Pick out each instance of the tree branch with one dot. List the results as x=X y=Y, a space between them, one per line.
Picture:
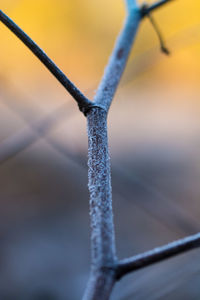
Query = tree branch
x=145 y=9
x=159 y=254
x=83 y=103
x=130 y=4
x=121 y=51
x=119 y=57
x=104 y=272
x=103 y=253
x=104 y=260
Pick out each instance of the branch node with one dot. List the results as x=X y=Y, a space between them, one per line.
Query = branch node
x=85 y=109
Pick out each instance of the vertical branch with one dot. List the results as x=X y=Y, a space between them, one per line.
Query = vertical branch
x=103 y=250
x=102 y=229
x=104 y=262
x=103 y=268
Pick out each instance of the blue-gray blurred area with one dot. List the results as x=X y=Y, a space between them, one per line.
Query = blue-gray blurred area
x=44 y=218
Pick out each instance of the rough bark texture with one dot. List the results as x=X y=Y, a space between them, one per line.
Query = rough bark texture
x=102 y=235
x=118 y=59
x=100 y=284
x=101 y=215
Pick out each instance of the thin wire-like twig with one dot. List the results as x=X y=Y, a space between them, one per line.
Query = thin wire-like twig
x=159 y=254
x=157 y=30
x=154 y=6
x=83 y=103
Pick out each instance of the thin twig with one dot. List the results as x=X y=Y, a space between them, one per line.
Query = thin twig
x=83 y=103
x=154 y=6
x=159 y=254
x=158 y=32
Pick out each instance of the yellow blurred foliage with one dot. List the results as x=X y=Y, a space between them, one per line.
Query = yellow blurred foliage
x=79 y=35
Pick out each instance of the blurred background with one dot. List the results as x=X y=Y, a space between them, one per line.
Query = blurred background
x=154 y=133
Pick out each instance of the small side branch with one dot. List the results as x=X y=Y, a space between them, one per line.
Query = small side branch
x=83 y=103
x=155 y=26
x=157 y=255
x=154 y=6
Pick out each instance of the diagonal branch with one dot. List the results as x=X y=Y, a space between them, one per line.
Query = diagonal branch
x=159 y=254
x=130 y=4
x=158 y=4
x=83 y=103
x=119 y=57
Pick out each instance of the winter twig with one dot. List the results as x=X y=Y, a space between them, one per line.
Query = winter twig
x=147 y=9
x=83 y=103
x=159 y=254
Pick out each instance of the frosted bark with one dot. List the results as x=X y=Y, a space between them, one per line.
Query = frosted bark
x=102 y=229
x=100 y=285
x=118 y=59
x=101 y=214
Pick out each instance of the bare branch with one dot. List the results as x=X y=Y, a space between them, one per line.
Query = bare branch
x=102 y=228
x=159 y=254
x=160 y=37
x=83 y=103
x=102 y=235
x=121 y=51
x=130 y=4
x=118 y=58
x=146 y=10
